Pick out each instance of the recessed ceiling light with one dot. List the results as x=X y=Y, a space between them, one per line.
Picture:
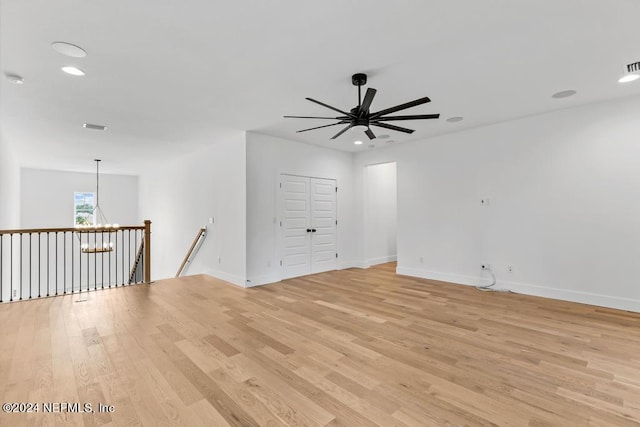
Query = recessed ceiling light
x=563 y=94
x=455 y=119
x=357 y=142
x=94 y=127
x=69 y=49
x=73 y=71
x=15 y=79
x=629 y=78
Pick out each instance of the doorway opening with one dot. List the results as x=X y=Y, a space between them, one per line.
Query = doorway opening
x=380 y=214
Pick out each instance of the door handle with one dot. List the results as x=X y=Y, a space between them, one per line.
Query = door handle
x=308 y=230
x=313 y=230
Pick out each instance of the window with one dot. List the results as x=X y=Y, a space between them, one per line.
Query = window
x=83 y=207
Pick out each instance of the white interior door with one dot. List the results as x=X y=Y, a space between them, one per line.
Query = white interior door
x=308 y=229
x=295 y=221
x=323 y=225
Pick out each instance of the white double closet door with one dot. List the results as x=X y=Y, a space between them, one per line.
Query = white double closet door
x=308 y=225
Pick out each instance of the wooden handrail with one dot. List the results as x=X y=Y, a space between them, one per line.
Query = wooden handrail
x=200 y=233
x=73 y=229
x=147 y=251
x=136 y=263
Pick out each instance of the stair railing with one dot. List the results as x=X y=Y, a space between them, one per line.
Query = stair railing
x=43 y=262
x=197 y=242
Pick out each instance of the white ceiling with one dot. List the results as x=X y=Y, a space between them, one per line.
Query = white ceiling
x=168 y=77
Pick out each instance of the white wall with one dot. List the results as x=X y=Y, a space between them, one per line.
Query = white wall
x=267 y=157
x=9 y=211
x=9 y=188
x=564 y=210
x=47 y=197
x=380 y=213
x=180 y=196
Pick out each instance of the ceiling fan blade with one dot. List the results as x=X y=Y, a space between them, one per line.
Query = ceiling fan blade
x=400 y=107
x=392 y=127
x=342 y=131
x=308 y=117
x=366 y=102
x=330 y=107
x=416 y=117
x=320 y=127
x=370 y=134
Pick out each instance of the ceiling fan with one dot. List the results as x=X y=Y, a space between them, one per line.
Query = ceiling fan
x=361 y=117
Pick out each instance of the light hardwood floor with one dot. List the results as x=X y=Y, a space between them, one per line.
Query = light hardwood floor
x=346 y=348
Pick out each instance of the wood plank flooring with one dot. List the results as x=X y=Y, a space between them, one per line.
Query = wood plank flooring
x=345 y=348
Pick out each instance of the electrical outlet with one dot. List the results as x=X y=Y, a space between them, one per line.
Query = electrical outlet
x=211 y=220
x=421 y=260
x=510 y=268
x=219 y=260
x=485 y=201
x=15 y=293
x=486 y=266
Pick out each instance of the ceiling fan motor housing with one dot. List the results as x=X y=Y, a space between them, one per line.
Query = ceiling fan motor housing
x=359 y=120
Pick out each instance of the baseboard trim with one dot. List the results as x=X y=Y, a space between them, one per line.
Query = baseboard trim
x=382 y=260
x=266 y=279
x=352 y=264
x=528 y=289
x=227 y=277
x=458 y=279
x=368 y=263
x=574 y=296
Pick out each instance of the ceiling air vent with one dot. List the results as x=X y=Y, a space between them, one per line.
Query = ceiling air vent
x=633 y=67
x=94 y=127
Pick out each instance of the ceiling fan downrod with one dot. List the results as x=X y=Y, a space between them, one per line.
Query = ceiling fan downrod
x=359 y=79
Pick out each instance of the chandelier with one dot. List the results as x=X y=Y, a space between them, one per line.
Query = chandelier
x=100 y=225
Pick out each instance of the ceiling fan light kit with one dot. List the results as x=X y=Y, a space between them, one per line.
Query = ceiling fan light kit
x=361 y=116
